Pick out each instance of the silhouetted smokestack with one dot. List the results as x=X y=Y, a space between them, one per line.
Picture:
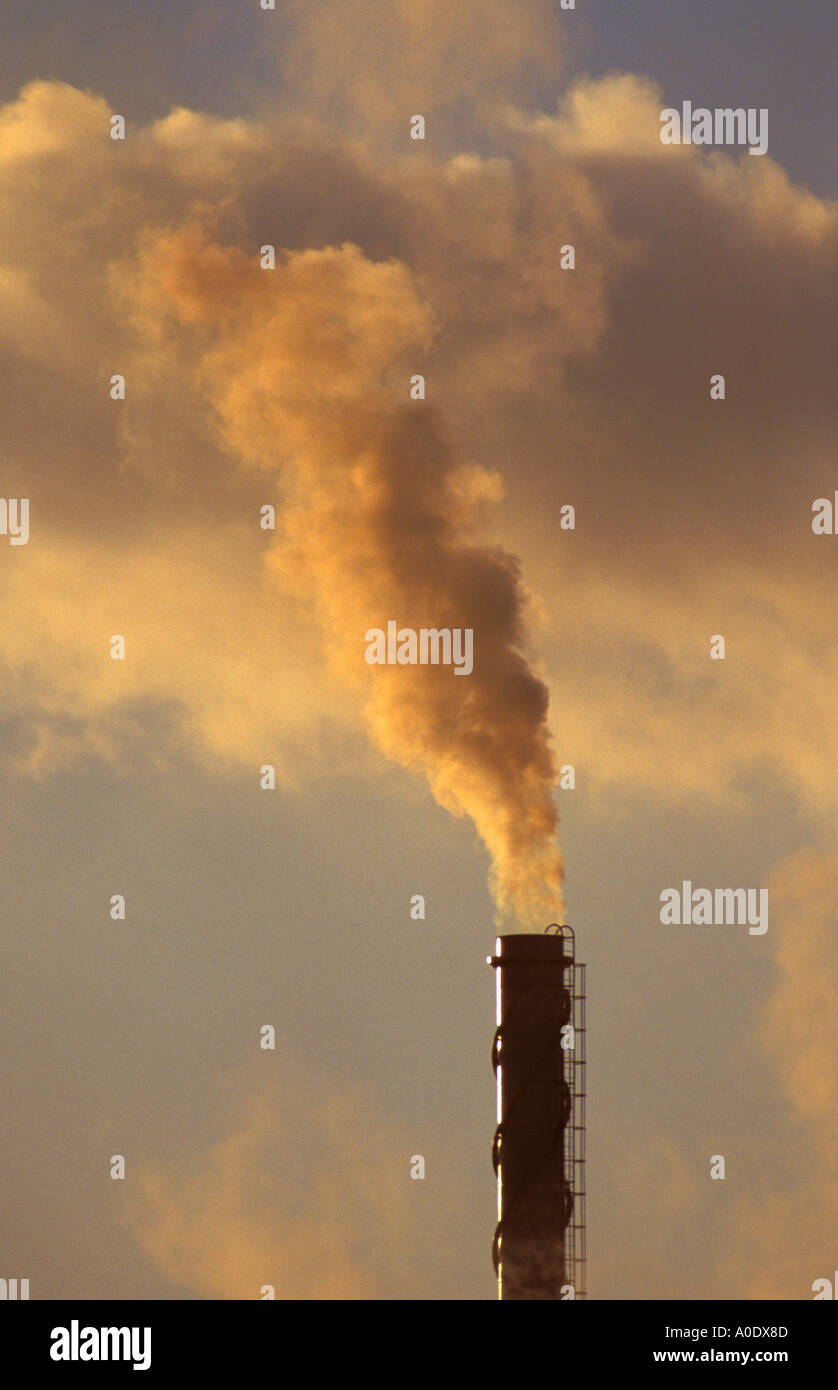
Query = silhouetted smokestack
x=538 y=1055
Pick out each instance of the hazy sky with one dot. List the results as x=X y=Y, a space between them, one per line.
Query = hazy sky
x=244 y=647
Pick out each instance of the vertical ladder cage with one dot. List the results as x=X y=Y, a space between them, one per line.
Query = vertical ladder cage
x=576 y=1256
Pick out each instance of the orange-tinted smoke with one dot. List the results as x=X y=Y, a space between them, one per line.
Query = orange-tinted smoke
x=308 y=367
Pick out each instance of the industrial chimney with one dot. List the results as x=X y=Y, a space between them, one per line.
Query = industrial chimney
x=538 y=1151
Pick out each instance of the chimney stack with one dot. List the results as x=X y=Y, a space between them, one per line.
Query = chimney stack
x=538 y=1151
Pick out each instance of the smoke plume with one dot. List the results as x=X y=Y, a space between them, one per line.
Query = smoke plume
x=308 y=368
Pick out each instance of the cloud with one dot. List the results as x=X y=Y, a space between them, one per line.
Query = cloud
x=799 y=1028
x=780 y=1236
x=381 y=61
x=306 y=1189
x=69 y=700
x=547 y=386
x=615 y=115
x=766 y=1230
x=653 y=1190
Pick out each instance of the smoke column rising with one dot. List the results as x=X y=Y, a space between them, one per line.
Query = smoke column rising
x=308 y=368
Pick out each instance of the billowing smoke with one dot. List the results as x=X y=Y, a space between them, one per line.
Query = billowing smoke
x=308 y=367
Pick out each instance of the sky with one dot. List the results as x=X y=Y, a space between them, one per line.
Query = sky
x=248 y=387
